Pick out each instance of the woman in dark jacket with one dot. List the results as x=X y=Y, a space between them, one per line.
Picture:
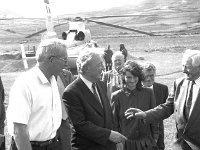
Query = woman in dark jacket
x=141 y=136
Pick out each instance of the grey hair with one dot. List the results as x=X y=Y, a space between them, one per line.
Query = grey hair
x=194 y=55
x=118 y=53
x=48 y=48
x=149 y=67
x=85 y=58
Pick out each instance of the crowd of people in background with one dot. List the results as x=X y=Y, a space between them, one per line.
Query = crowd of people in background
x=113 y=104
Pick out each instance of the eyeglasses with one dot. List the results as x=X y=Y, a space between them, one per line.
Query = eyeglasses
x=65 y=59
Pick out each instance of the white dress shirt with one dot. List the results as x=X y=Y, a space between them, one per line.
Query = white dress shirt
x=35 y=102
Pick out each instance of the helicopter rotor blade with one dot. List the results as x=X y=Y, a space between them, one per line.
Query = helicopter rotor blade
x=43 y=30
x=120 y=27
x=118 y=16
x=36 y=33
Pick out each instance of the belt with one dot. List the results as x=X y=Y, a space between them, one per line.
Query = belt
x=45 y=143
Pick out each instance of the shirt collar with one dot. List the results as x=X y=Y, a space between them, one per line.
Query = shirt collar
x=128 y=92
x=41 y=75
x=197 y=81
x=87 y=82
x=151 y=87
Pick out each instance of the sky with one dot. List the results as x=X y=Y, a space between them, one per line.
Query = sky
x=36 y=8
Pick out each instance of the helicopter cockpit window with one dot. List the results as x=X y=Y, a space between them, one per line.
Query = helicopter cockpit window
x=80 y=36
x=64 y=35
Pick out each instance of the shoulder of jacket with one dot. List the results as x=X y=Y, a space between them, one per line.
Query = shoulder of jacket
x=160 y=85
x=179 y=81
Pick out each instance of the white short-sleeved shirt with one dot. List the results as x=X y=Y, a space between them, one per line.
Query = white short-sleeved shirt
x=35 y=101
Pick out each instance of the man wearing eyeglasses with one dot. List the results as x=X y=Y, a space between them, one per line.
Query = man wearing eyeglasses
x=34 y=112
x=161 y=94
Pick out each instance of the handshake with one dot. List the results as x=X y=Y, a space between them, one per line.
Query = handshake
x=134 y=112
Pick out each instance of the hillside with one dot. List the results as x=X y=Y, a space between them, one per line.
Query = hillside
x=172 y=17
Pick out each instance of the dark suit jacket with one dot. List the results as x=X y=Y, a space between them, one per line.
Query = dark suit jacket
x=161 y=94
x=186 y=130
x=92 y=123
x=2 y=108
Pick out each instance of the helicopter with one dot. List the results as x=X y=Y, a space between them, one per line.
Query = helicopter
x=77 y=37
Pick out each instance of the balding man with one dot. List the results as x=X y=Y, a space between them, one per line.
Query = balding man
x=88 y=106
x=184 y=102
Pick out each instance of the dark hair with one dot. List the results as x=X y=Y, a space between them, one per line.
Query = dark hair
x=136 y=70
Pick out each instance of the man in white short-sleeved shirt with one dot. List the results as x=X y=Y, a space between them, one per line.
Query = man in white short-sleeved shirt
x=34 y=112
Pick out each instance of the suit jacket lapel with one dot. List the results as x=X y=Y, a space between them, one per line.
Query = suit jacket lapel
x=90 y=98
x=106 y=105
x=195 y=110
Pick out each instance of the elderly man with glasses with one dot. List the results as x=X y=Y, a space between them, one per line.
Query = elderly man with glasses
x=34 y=112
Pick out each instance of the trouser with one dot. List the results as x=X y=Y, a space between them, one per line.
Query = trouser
x=2 y=142
x=2 y=138
x=160 y=142
x=65 y=135
x=108 y=66
x=53 y=146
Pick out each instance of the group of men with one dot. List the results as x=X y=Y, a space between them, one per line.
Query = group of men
x=108 y=56
x=37 y=107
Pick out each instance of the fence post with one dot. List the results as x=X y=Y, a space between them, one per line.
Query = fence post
x=24 y=56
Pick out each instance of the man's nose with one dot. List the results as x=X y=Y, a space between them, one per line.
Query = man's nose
x=184 y=69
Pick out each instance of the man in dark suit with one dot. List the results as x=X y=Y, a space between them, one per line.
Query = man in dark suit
x=89 y=108
x=184 y=102
x=161 y=94
x=2 y=115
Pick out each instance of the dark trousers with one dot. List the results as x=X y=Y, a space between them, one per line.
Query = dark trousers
x=65 y=135
x=2 y=142
x=108 y=66
x=54 y=146
x=160 y=142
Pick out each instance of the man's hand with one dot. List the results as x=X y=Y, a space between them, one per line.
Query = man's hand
x=116 y=137
x=120 y=146
x=134 y=112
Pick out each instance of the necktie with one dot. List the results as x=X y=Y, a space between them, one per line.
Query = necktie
x=189 y=101
x=95 y=92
